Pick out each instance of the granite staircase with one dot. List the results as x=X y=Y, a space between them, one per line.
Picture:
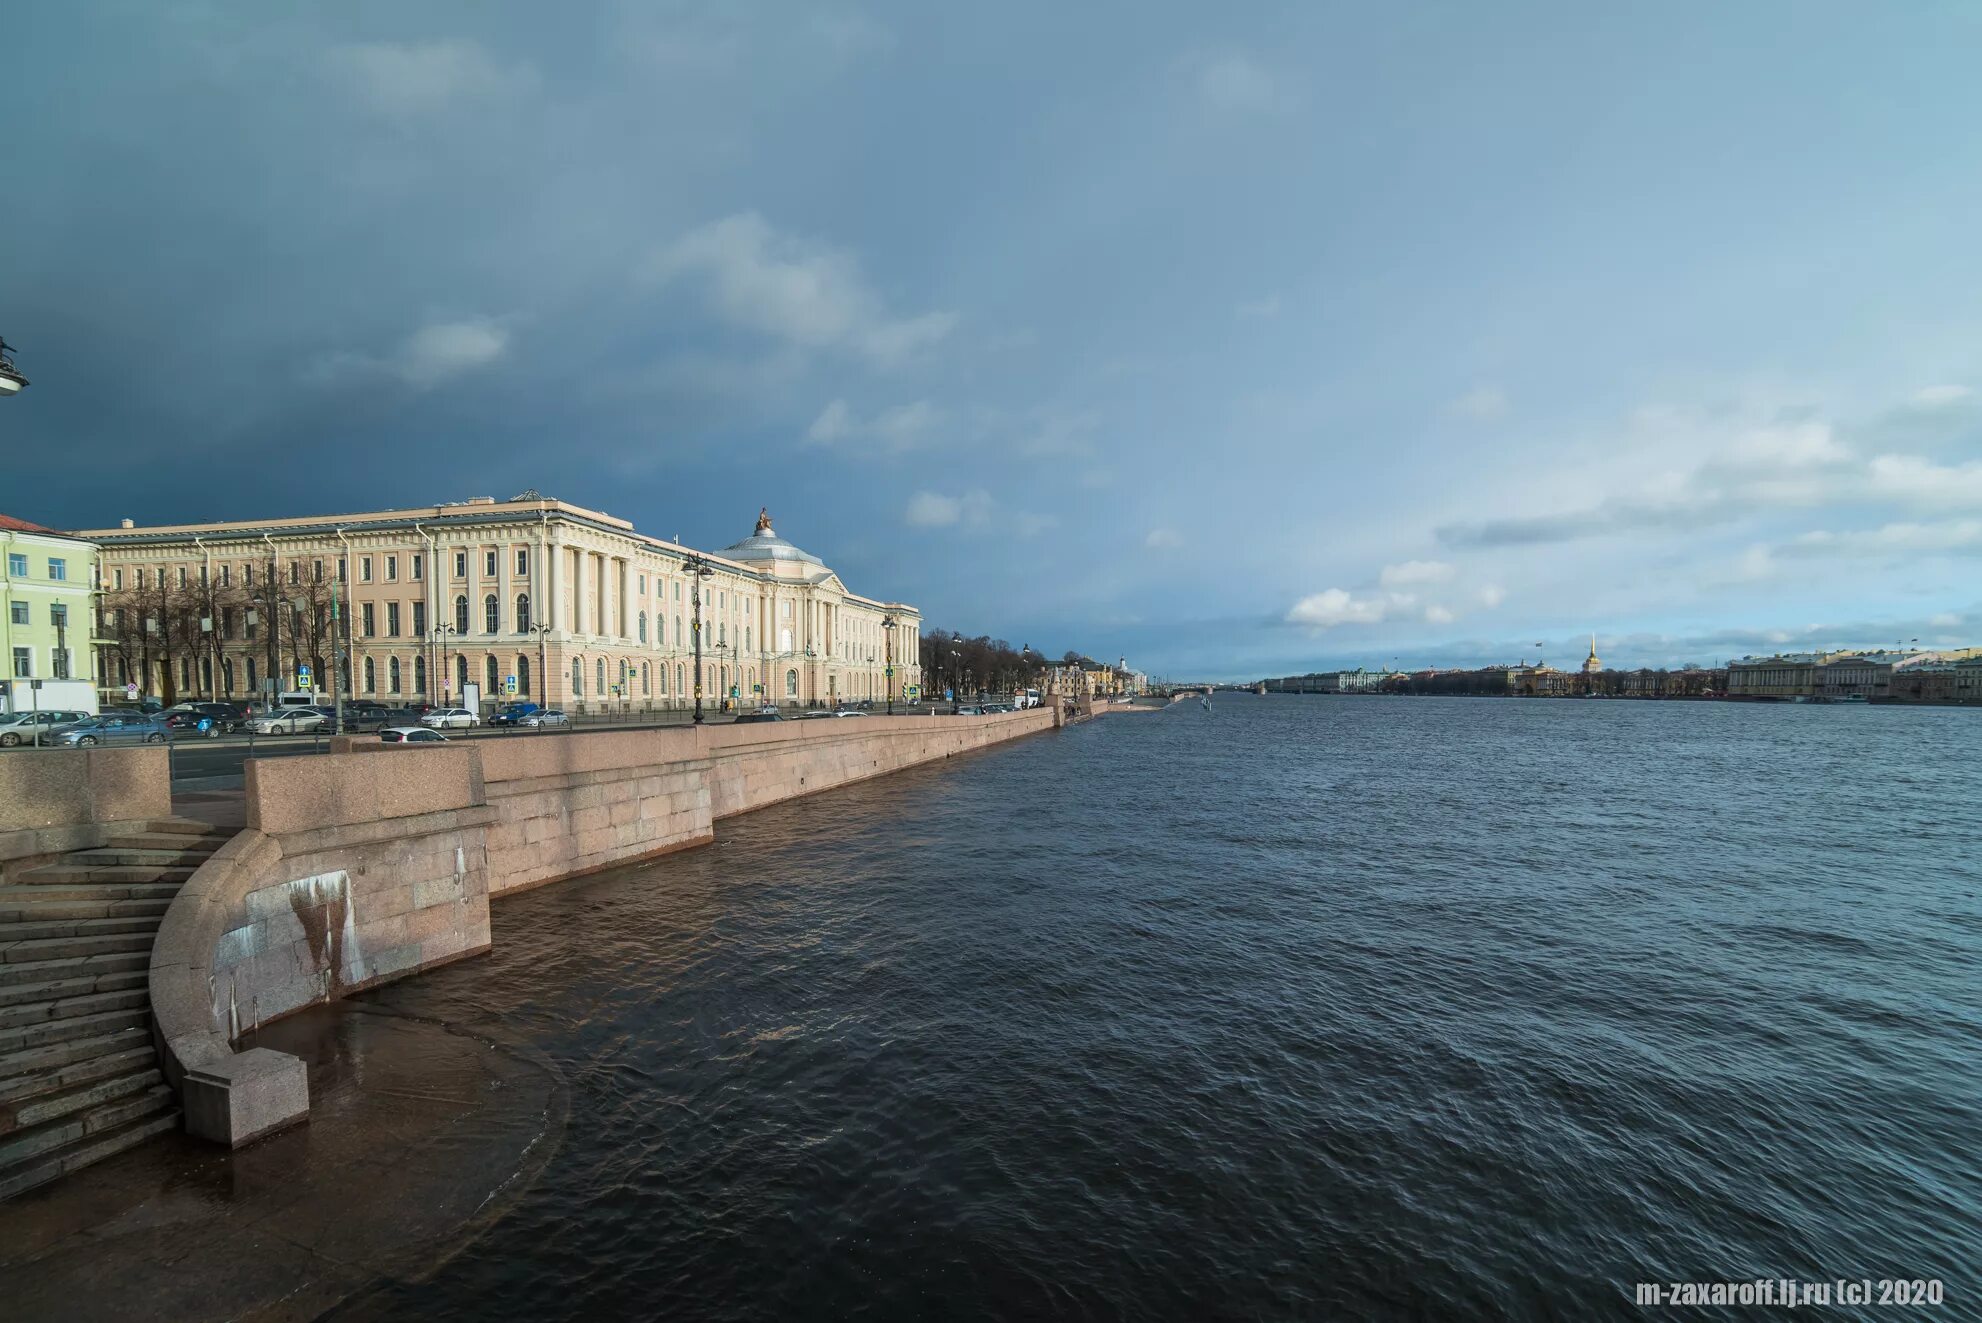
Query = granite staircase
x=79 y=1078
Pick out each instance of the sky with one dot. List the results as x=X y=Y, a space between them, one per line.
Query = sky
x=1233 y=340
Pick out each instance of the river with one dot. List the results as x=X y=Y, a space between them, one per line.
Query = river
x=1297 y=1008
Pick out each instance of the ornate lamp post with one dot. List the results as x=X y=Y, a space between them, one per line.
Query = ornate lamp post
x=698 y=569
x=543 y=667
x=442 y=633
x=11 y=380
x=888 y=624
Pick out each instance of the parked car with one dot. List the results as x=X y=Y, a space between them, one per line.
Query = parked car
x=193 y=722
x=997 y=707
x=365 y=715
x=548 y=716
x=450 y=718
x=411 y=735
x=20 y=727
x=848 y=712
x=970 y=710
x=513 y=714
x=140 y=728
x=761 y=714
x=402 y=717
x=294 y=721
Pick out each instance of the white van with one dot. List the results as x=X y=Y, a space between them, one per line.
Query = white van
x=297 y=698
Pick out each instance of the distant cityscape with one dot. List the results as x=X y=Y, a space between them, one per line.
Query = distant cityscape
x=1878 y=675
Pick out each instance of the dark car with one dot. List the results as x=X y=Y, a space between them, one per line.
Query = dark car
x=191 y=721
x=365 y=715
x=764 y=714
x=403 y=716
x=512 y=714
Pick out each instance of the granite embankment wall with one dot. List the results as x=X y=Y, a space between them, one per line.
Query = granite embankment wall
x=56 y=800
x=360 y=867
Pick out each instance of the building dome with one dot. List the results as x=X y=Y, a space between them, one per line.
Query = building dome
x=765 y=546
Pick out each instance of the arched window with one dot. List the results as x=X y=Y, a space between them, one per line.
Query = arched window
x=495 y=683
x=522 y=613
x=461 y=614
x=791 y=684
x=681 y=680
x=577 y=677
x=491 y=615
x=643 y=626
x=522 y=675
x=371 y=676
x=646 y=681
x=419 y=675
x=601 y=669
x=392 y=675
x=622 y=673
x=227 y=673
x=721 y=638
x=460 y=676
x=251 y=675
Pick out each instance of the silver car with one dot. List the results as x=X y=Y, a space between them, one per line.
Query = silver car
x=549 y=716
x=133 y=729
x=292 y=721
x=20 y=727
x=411 y=735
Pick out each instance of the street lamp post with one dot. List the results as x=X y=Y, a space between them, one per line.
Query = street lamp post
x=543 y=667
x=698 y=570
x=11 y=380
x=888 y=673
x=442 y=633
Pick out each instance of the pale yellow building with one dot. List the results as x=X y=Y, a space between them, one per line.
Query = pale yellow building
x=482 y=592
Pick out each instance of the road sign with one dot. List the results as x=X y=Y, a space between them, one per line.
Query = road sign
x=888 y=671
x=734 y=692
x=912 y=692
x=130 y=691
x=509 y=685
x=302 y=677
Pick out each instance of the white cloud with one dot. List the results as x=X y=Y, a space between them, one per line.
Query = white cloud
x=1334 y=606
x=1438 y=615
x=1482 y=405
x=1910 y=480
x=1940 y=397
x=899 y=428
x=795 y=290
x=442 y=350
x=1260 y=308
x=934 y=510
x=1956 y=536
x=834 y=423
x=1233 y=82
x=412 y=78
x=1414 y=573
x=1163 y=539
x=1944 y=620
x=1491 y=595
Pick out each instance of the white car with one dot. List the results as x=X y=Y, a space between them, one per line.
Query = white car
x=547 y=717
x=293 y=721
x=450 y=718
x=411 y=735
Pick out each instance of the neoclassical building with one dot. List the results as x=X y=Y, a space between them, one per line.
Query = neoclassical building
x=579 y=608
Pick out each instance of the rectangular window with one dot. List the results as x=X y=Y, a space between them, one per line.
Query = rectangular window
x=295 y=571
x=142 y=576
x=364 y=569
x=18 y=612
x=392 y=569
x=460 y=564
x=677 y=590
x=23 y=663
x=17 y=565
x=413 y=568
x=392 y=620
x=488 y=565
x=58 y=569
x=370 y=621
x=226 y=572
x=117 y=579
x=247 y=572
x=522 y=562
x=202 y=576
x=420 y=618
x=182 y=576
x=319 y=572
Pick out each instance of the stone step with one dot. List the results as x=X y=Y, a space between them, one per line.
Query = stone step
x=14 y=895
x=36 y=1061
x=29 y=970
x=184 y=827
x=78 y=985
x=166 y=840
x=117 y=856
x=58 y=907
x=24 y=1037
x=46 y=1107
x=68 y=1008
x=35 y=928
x=146 y=1116
x=69 y=948
x=67 y=874
x=108 y=1065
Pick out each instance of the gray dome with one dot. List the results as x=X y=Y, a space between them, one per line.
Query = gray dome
x=765 y=545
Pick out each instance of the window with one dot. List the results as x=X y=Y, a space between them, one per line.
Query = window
x=677 y=631
x=58 y=570
x=226 y=575
x=23 y=662
x=316 y=571
x=392 y=620
x=392 y=676
x=419 y=675
x=18 y=612
x=491 y=615
x=522 y=675
x=247 y=573
x=413 y=567
x=601 y=671
x=182 y=573
x=117 y=578
x=746 y=638
x=460 y=564
x=646 y=681
x=577 y=677
x=461 y=614
x=677 y=590
x=17 y=565
x=664 y=682
x=392 y=569
x=420 y=618
x=371 y=676
x=681 y=680
x=460 y=675
x=364 y=569
x=295 y=571
x=643 y=585
x=660 y=629
x=488 y=565
x=791 y=684
x=522 y=561
x=643 y=626
x=370 y=619
x=522 y=613
x=722 y=637
x=622 y=673
x=490 y=670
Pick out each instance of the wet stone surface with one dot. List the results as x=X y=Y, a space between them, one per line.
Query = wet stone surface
x=419 y=1137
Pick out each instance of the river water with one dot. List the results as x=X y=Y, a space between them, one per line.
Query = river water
x=1299 y=1008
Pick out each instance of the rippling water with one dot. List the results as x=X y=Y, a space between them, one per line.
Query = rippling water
x=1300 y=1008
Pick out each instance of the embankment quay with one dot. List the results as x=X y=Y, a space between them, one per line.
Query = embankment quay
x=139 y=945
